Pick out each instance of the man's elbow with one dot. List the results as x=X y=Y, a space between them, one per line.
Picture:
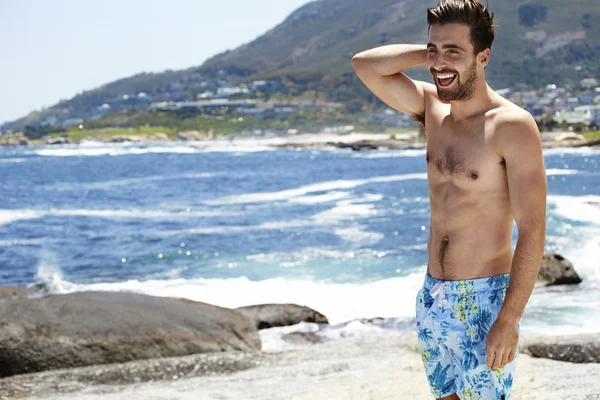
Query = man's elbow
x=532 y=228
x=358 y=60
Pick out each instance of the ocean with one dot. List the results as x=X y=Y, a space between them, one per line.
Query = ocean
x=235 y=224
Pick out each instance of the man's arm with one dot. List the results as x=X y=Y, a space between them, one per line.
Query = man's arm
x=381 y=68
x=521 y=149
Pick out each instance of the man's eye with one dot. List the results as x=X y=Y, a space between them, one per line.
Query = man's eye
x=431 y=50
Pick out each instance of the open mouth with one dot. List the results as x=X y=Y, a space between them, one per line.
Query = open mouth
x=445 y=79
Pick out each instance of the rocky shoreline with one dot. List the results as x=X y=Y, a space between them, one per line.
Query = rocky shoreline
x=99 y=344
x=358 y=142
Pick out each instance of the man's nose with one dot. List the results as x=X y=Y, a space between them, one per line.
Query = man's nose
x=438 y=63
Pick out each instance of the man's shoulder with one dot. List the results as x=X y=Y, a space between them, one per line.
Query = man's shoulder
x=515 y=127
x=509 y=119
x=508 y=114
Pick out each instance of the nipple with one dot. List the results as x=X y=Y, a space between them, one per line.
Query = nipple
x=474 y=175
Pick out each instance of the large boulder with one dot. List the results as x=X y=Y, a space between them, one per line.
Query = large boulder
x=270 y=315
x=123 y=138
x=360 y=145
x=557 y=270
x=575 y=348
x=14 y=141
x=569 y=136
x=57 y=140
x=191 y=135
x=159 y=137
x=79 y=329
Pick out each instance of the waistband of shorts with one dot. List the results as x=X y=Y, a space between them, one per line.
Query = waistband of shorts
x=469 y=285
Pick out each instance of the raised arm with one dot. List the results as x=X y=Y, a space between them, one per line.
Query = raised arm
x=521 y=149
x=381 y=68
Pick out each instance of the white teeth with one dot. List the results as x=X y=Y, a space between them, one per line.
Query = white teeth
x=445 y=76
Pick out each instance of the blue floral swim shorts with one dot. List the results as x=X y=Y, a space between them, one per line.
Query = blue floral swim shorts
x=453 y=319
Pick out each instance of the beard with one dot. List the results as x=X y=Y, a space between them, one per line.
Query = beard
x=460 y=91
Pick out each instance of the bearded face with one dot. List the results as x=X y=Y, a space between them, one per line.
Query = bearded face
x=454 y=86
x=452 y=61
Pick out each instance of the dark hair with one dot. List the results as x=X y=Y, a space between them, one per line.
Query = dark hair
x=469 y=12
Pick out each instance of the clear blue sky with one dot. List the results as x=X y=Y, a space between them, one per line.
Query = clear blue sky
x=54 y=49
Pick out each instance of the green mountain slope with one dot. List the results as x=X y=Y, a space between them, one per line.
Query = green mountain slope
x=538 y=42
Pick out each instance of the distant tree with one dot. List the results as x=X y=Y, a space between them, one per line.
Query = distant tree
x=354 y=106
x=578 y=127
x=586 y=21
x=37 y=132
x=547 y=124
x=530 y=14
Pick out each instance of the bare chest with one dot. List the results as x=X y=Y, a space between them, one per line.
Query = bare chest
x=463 y=158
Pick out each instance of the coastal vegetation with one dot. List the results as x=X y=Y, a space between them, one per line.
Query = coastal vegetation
x=169 y=123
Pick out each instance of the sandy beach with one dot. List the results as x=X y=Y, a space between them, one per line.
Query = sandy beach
x=370 y=367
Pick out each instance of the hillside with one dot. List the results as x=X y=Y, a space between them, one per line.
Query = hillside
x=536 y=43
x=541 y=42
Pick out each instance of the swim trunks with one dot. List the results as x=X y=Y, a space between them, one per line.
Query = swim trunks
x=453 y=319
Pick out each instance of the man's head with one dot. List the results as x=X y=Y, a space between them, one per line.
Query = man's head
x=461 y=33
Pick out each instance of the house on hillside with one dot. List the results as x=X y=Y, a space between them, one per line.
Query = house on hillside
x=230 y=91
x=586 y=97
x=266 y=86
x=592 y=112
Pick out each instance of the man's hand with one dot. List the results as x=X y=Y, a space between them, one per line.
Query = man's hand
x=502 y=340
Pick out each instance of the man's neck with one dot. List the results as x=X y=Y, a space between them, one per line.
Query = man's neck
x=476 y=105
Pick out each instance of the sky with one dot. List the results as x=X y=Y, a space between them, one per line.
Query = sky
x=53 y=49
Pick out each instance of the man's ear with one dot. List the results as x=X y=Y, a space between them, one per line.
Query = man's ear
x=484 y=57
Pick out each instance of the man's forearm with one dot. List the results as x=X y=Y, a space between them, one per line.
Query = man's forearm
x=392 y=58
x=524 y=272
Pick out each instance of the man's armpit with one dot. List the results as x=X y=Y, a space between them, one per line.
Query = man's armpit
x=420 y=119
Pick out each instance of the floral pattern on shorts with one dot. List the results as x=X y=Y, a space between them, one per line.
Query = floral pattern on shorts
x=453 y=319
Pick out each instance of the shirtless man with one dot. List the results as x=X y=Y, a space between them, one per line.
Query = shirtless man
x=484 y=168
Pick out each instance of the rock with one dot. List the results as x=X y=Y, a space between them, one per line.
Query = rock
x=122 y=139
x=57 y=140
x=568 y=136
x=304 y=338
x=298 y=145
x=191 y=135
x=270 y=315
x=593 y=142
x=160 y=137
x=575 y=348
x=80 y=329
x=557 y=270
x=156 y=137
x=357 y=146
x=391 y=144
x=14 y=141
x=70 y=380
